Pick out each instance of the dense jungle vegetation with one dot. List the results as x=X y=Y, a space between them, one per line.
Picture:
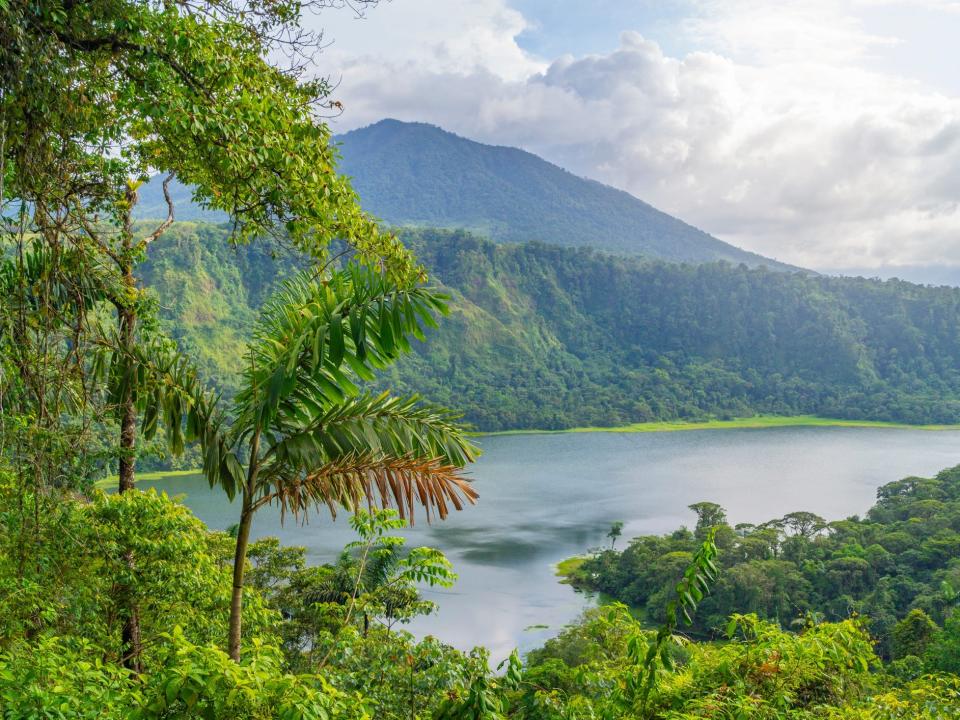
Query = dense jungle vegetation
x=327 y=642
x=124 y=605
x=898 y=567
x=548 y=337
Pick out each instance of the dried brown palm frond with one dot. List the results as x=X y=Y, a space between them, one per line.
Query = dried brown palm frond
x=400 y=482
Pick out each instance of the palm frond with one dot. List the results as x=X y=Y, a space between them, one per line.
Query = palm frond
x=374 y=424
x=354 y=480
x=168 y=386
x=317 y=334
x=68 y=278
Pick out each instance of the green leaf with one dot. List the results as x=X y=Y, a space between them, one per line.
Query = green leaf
x=336 y=340
x=731 y=628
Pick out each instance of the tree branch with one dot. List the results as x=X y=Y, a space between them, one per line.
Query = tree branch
x=162 y=227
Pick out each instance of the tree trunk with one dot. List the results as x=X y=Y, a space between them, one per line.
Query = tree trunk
x=240 y=554
x=128 y=413
x=127 y=319
x=131 y=633
x=239 y=563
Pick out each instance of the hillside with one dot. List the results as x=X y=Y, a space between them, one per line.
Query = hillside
x=548 y=337
x=413 y=174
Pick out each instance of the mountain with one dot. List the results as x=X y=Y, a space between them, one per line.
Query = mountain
x=543 y=336
x=413 y=174
x=420 y=175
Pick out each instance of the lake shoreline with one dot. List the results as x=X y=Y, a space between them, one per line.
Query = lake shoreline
x=547 y=498
x=758 y=422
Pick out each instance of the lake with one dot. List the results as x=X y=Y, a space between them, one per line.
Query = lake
x=546 y=497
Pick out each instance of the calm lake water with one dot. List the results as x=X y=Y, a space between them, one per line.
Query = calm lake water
x=546 y=497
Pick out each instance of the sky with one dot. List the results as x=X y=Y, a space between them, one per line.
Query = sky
x=824 y=134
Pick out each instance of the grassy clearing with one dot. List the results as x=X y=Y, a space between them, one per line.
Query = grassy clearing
x=756 y=422
x=110 y=482
x=566 y=568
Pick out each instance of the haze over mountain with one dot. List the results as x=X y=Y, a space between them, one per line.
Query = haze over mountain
x=414 y=174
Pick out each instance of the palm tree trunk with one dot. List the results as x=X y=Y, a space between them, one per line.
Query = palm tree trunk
x=239 y=563
x=240 y=554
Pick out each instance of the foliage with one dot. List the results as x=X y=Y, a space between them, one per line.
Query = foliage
x=693 y=587
x=65 y=679
x=66 y=580
x=311 y=437
x=311 y=654
x=59 y=647
x=60 y=620
x=943 y=653
x=341 y=618
x=761 y=672
x=204 y=682
x=93 y=97
x=899 y=561
x=56 y=677
x=375 y=582
x=934 y=697
x=913 y=634
x=615 y=531
x=99 y=93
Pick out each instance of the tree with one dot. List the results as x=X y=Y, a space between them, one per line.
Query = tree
x=804 y=524
x=913 y=634
x=943 y=653
x=96 y=95
x=615 y=531
x=309 y=435
x=709 y=515
x=375 y=579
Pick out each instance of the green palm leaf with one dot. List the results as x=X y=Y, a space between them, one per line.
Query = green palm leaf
x=316 y=336
x=396 y=449
x=374 y=424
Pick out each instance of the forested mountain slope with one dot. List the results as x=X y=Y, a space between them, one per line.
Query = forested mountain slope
x=543 y=336
x=420 y=175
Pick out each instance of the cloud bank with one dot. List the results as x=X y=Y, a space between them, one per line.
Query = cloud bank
x=778 y=131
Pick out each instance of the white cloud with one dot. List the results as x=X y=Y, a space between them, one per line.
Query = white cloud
x=436 y=35
x=764 y=33
x=778 y=136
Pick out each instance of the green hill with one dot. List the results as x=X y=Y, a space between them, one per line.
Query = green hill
x=543 y=336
